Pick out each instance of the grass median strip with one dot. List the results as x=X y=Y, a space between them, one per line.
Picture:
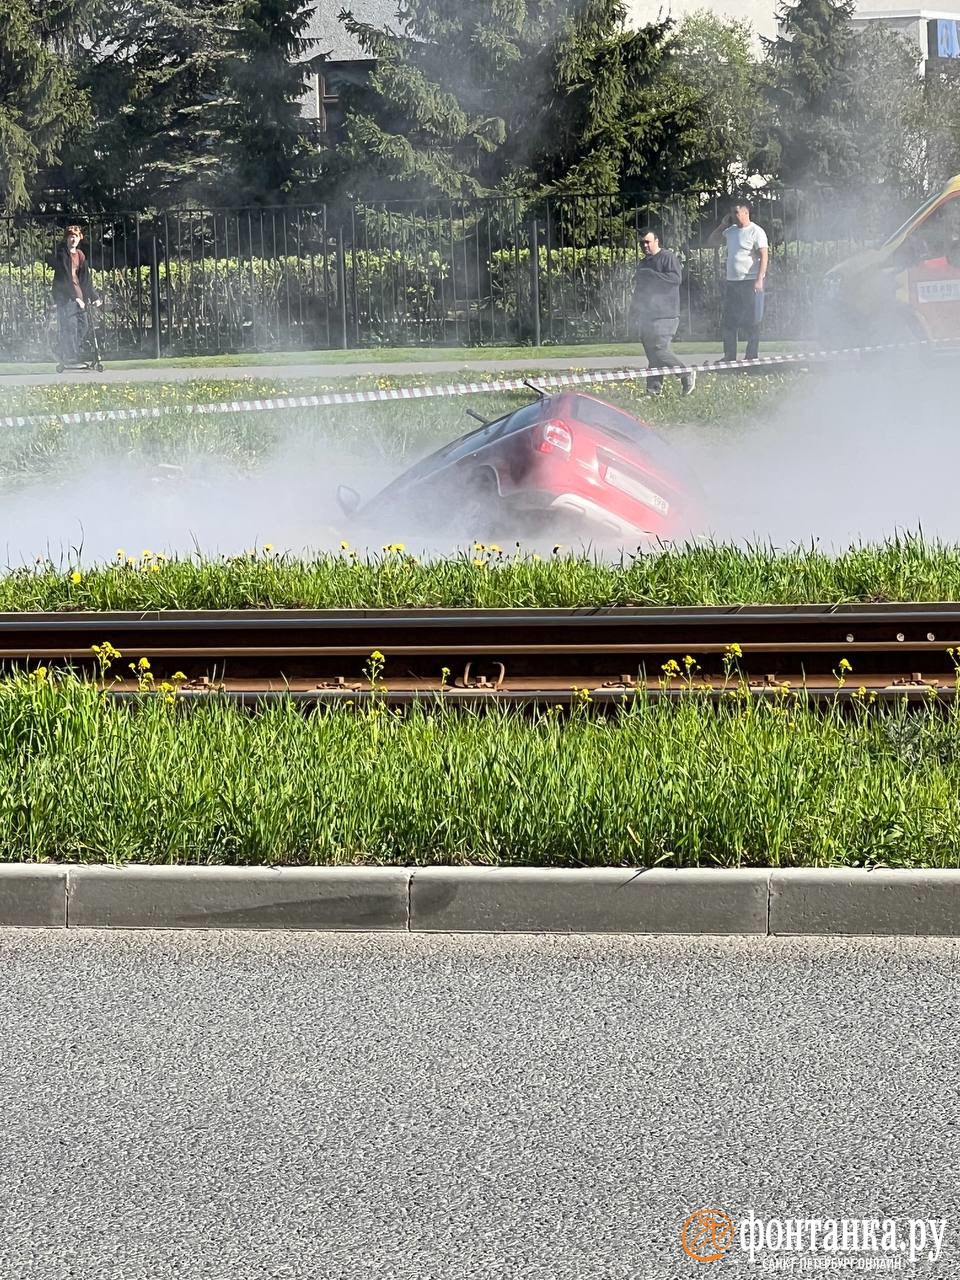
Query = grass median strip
x=397 y=431
x=905 y=568
x=749 y=784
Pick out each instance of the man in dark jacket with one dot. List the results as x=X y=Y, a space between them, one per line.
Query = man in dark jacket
x=73 y=293
x=656 y=310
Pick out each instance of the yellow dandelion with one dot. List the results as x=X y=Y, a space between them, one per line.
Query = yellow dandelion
x=76 y=577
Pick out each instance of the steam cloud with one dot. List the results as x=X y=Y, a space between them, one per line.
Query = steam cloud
x=849 y=454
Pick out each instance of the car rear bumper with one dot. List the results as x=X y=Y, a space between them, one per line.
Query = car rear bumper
x=587 y=512
x=599 y=517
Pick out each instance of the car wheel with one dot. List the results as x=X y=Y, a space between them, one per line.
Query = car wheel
x=481 y=509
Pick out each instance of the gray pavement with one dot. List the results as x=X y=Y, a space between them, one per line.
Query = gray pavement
x=457 y=370
x=458 y=1107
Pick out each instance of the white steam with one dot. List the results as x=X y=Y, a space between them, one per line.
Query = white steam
x=847 y=455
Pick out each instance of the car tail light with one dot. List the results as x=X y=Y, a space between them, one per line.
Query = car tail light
x=555 y=437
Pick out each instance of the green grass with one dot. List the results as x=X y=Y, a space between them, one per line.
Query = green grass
x=902 y=569
x=387 y=355
x=397 y=431
x=752 y=783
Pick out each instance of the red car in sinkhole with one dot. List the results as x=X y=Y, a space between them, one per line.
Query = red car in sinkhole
x=568 y=462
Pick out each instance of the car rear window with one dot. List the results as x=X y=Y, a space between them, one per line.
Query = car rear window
x=596 y=414
x=524 y=417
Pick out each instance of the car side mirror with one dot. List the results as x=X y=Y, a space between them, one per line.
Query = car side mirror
x=348 y=499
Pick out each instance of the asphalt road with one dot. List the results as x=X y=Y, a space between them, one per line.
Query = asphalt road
x=291 y=1105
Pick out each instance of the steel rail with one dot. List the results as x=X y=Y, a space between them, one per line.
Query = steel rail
x=532 y=653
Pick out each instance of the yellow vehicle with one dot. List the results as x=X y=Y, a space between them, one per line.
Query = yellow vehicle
x=908 y=287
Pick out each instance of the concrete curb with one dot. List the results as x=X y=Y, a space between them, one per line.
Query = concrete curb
x=598 y=900
x=764 y=902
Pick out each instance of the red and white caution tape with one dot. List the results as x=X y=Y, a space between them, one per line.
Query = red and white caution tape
x=591 y=377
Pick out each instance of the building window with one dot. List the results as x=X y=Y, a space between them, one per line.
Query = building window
x=943 y=38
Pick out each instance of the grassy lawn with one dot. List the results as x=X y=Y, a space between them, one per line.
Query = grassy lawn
x=753 y=783
x=394 y=431
x=488 y=577
x=408 y=355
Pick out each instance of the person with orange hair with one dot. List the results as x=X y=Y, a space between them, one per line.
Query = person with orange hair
x=73 y=293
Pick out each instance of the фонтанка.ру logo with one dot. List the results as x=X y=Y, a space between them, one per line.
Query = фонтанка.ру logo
x=707 y=1234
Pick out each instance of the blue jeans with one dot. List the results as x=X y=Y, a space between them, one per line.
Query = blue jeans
x=742 y=312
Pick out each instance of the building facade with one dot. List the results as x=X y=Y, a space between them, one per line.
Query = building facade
x=934 y=31
x=346 y=61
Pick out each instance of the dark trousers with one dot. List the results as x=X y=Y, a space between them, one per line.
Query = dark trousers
x=656 y=336
x=742 y=313
x=72 y=328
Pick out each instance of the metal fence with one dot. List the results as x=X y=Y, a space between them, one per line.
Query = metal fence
x=202 y=282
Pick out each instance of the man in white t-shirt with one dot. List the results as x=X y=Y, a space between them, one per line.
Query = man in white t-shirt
x=747 y=255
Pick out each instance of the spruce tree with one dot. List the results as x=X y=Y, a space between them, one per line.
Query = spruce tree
x=154 y=74
x=270 y=150
x=810 y=91
x=39 y=100
x=477 y=96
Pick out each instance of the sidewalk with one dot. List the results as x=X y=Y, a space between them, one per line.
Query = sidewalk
x=322 y=372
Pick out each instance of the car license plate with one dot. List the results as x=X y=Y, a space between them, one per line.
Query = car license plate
x=938 y=291
x=627 y=484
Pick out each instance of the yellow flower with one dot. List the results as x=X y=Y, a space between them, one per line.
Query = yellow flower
x=178 y=676
x=147 y=555
x=268 y=547
x=844 y=665
x=154 y=568
x=344 y=546
x=479 y=562
x=733 y=651
x=76 y=577
x=377 y=656
x=144 y=664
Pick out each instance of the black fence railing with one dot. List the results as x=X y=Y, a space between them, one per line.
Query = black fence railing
x=199 y=282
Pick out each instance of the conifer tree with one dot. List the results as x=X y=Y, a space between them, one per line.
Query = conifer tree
x=39 y=100
x=154 y=72
x=810 y=91
x=270 y=151
x=475 y=96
